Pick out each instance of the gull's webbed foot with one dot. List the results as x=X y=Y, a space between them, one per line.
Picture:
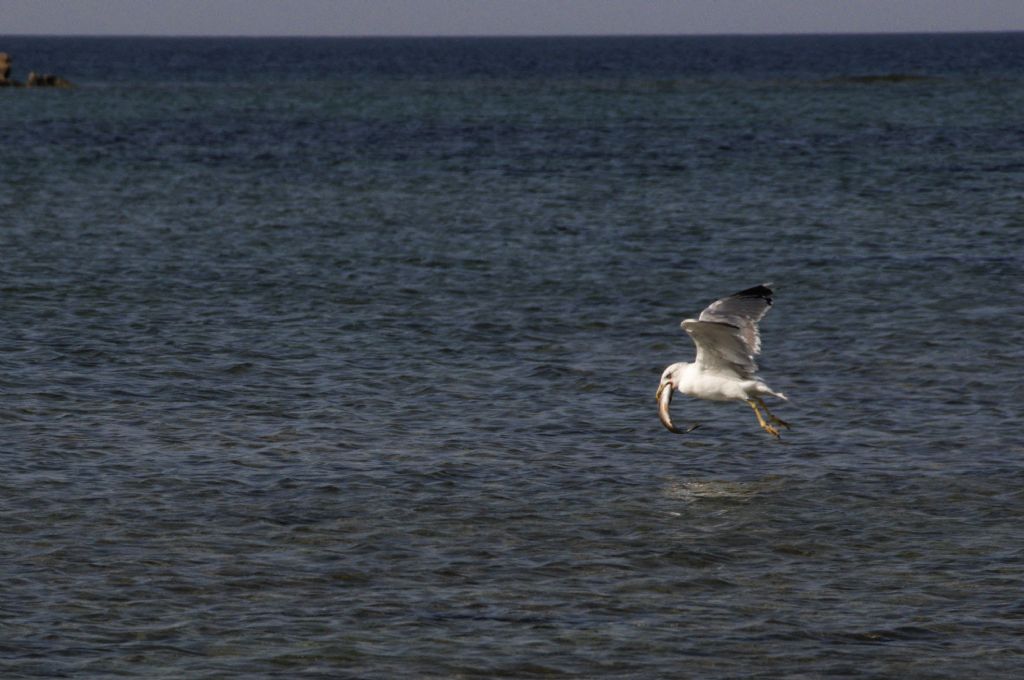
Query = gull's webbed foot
x=752 y=403
x=771 y=416
x=775 y=419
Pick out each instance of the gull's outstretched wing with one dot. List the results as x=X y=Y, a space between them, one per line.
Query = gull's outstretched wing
x=726 y=334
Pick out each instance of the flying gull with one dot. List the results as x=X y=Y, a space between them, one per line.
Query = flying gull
x=727 y=341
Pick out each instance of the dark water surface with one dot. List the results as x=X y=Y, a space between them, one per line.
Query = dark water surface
x=336 y=358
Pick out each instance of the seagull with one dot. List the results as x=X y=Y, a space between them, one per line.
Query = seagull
x=727 y=341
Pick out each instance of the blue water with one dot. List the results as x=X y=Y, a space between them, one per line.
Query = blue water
x=336 y=358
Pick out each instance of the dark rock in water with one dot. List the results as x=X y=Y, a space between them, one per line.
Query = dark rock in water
x=879 y=78
x=34 y=79
x=46 y=80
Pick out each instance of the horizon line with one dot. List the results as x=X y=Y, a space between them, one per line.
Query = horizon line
x=486 y=36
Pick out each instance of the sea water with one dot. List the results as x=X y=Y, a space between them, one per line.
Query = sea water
x=336 y=358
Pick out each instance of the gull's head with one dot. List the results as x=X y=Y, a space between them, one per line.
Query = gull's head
x=670 y=379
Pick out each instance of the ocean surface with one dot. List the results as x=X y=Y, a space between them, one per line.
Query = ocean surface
x=336 y=358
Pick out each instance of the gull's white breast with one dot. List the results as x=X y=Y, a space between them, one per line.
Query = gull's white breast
x=715 y=385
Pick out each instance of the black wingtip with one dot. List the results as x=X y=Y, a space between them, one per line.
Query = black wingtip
x=760 y=291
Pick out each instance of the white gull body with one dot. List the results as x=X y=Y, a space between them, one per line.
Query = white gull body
x=727 y=340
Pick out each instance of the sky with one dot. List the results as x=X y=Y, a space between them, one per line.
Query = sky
x=501 y=17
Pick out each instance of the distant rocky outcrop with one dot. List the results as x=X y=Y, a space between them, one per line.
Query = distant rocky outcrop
x=875 y=79
x=34 y=79
x=45 y=80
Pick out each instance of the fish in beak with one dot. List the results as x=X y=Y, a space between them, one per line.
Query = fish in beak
x=664 y=398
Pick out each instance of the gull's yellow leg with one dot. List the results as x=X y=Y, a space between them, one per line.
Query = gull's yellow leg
x=771 y=416
x=760 y=420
